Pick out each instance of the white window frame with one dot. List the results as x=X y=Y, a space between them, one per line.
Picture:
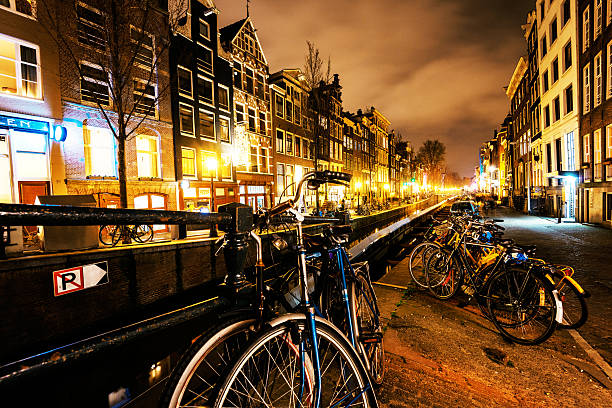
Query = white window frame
x=86 y=146
x=157 y=154
x=17 y=62
x=227 y=109
x=180 y=91
x=609 y=11
x=211 y=69
x=609 y=69
x=214 y=136
x=279 y=148
x=586 y=38
x=13 y=9
x=598 y=17
x=597 y=146
x=586 y=144
x=154 y=113
x=609 y=141
x=96 y=81
x=212 y=103
x=229 y=133
x=192 y=120
x=598 y=80
x=195 y=164
x=208 y=25
x=586 y=88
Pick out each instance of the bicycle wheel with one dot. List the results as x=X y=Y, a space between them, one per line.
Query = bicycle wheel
x=418 y=260
x=142 y=233
x=277 y=370
x=522 y=306
x=443 y=275
x=109 y=234
x=367 y=328
x=199 y=371
x=575 y=312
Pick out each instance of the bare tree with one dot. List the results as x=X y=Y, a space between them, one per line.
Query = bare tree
x=114 y=56
x=318 y=79
x=431 y=156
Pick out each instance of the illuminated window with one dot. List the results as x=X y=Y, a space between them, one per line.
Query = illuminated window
x=280 y=178
x=224 y=130
x=609 y=69
x=100 y=157
x=598 y=79
x=19 y=68
x=289 y=143
x=586 y=29
x=30 y=155
x=147 y=156
x=586 y=148
x=188 y=161
x=586 y=94
x=598 y=18
x=226 y=166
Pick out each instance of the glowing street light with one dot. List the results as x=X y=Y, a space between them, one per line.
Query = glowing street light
x=211 y=166
x=358 y=188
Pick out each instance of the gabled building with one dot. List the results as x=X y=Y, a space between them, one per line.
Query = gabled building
x=252 y=114
x=293 y=145
x=519 y=124
x=365 y=155
x=595 y=153
x=202 y=112
x=380 y=133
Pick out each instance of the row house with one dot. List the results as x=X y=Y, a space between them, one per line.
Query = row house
x=54 y=139
x=252 y=139
x=381 y=136
x=202 y=95
x=520 y=136
x=293 y=144
x=557 y=41
x=595 y=153
x=535 y=197
x=364 y=153
x=31 y=159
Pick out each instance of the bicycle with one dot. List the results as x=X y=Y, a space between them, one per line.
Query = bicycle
x=294 y=359
x=522 y=304
x=111 y=234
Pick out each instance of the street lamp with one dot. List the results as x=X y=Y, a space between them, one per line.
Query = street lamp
x=387 y=188
x=358 y=188
x=211 y=166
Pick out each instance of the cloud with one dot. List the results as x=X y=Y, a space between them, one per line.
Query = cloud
x=435 y=68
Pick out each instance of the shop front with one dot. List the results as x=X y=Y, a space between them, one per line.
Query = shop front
x=25 y=150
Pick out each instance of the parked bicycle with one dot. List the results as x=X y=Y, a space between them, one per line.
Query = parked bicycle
x=111 y=234
x=261 y=354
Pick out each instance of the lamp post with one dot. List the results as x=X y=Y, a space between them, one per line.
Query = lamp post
x=211 y=166
x=358 y=188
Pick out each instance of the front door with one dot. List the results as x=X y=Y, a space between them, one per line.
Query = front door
x=28 y=191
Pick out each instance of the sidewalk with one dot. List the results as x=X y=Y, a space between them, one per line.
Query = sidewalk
x=440 y=355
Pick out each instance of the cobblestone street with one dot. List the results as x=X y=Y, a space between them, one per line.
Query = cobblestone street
x=440 y=354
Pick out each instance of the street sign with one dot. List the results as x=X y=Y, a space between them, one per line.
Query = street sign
x=80 y=277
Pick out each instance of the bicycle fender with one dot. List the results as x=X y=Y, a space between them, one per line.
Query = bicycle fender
x=559 y=316
x=575 y=284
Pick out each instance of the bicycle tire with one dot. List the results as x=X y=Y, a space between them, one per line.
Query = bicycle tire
x=339 y=360
x=205 y=360
x=575 y=311
x=367 y=329
x=522 y=306
x=142 y=233
x=418 y=260
x=443 y=275
x=108 y=234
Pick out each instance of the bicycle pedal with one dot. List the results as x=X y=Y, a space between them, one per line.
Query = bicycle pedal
x=374 y=337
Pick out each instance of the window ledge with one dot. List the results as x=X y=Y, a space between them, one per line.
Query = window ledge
x=150 y=179
x=101 y=178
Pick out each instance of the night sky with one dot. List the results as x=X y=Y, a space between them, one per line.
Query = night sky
x=435 y=68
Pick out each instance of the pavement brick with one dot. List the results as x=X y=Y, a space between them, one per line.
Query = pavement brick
x=441 y=355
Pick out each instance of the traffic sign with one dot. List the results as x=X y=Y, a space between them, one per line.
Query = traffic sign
x=80 y=277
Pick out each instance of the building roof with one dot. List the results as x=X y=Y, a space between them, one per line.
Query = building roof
x=229 y=32
x=515 y=80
